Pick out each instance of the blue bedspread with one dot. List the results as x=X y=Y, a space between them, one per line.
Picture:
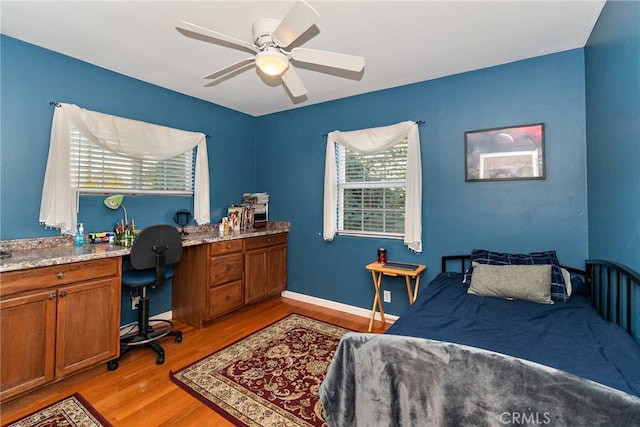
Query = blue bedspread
x=569 y=336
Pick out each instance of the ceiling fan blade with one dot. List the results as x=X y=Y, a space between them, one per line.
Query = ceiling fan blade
x=300 y=18
x=293 y=83
x=328 y=59
x=189 y=27
x=221 y=72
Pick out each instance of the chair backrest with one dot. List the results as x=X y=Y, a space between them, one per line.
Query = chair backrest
x=155 y=247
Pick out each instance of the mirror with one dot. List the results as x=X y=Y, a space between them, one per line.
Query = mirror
x=182 y=218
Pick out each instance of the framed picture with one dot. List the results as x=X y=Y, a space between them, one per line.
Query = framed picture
x=235 y=217
x=505 y=154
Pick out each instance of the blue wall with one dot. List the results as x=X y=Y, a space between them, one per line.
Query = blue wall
x=457 y=216
x=289 y=153
x=612 y=69
x=31 y=77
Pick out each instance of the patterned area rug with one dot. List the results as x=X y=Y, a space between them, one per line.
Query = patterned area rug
x=71 y=411
x=271 y=377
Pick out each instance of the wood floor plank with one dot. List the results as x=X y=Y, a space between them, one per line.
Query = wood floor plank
x=140 y=393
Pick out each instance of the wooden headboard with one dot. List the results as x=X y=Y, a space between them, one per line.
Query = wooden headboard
x=614 y=289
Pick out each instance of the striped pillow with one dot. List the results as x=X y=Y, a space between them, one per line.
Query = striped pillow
x=558 y=288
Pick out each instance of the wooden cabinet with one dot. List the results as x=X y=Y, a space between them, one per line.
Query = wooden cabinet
x=265 y=266
x=207 y=282
x=218 y=278
x=57 y=320
x=225 y=293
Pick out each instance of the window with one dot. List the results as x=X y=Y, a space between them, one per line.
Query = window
x=96 y=170
x=371 y=191
x=373 y=184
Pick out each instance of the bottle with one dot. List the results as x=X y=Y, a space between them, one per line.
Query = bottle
x=382 y=255
x=79 y=239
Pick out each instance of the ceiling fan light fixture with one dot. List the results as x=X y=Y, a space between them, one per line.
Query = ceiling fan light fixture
x=272 y=62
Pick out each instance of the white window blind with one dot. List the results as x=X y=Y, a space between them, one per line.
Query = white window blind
x=96 y=170
x=371 y=191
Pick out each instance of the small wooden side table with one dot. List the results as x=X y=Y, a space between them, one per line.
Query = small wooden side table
x=378 y=270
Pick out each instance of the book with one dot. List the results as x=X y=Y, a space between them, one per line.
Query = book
x=401 y=265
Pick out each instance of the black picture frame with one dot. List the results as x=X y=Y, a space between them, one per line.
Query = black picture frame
x=508 y=153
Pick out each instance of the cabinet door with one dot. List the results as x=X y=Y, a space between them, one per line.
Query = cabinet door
x=277 y=268
x=27 y=334
x=255 y=275
x=88 y=324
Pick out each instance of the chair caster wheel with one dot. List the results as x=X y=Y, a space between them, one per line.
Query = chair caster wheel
x=160 y=360
x=179 y=339
x=112 y=365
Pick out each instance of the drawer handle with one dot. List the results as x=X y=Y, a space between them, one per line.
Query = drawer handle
x=61 y=275
x=268 y=240
x=227 y=297
x=52 y=295
x=63 y=294
x=228 y=246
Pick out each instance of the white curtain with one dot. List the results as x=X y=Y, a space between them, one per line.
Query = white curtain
x=123 y=136
x=371 y=141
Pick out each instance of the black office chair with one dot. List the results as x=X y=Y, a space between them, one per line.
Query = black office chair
x=152 y=253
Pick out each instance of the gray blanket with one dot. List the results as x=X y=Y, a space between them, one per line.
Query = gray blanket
x=387 y=380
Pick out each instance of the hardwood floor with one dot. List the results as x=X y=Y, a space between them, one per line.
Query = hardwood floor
x=140 y=393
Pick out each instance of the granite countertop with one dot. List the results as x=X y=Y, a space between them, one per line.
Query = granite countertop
x=42 y=252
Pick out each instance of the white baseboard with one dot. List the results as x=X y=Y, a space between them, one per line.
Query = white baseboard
x=358 y=311
x=363 y=312
x=167 y=315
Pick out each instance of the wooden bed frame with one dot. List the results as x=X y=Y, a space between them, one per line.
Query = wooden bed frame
x=613 y=289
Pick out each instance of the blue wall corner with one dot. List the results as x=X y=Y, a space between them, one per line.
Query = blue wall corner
x=612 y=69
x=457 y=216
x=283 y=154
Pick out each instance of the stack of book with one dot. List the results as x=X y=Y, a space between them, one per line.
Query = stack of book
x=258 y=206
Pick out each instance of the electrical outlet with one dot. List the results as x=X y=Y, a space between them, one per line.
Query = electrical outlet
x=134 y=303
x=386 y=296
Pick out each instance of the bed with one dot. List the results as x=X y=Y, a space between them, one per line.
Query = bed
x=459 y=358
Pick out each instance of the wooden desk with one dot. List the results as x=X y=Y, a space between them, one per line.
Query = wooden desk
x=378 y=270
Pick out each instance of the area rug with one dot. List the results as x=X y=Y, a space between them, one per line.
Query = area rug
x=72 y=411
x=271 y=377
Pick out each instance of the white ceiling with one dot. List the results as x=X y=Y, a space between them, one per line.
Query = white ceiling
x=402 y=41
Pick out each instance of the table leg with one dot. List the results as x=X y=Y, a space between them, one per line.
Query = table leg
x=409 y=291
x=377 y=301
x=415 y=289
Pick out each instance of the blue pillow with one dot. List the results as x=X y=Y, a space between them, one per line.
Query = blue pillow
x=558 y=288
x=578 y=286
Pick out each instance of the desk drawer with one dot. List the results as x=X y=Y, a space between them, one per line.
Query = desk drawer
x=226 y=247
x=57 y=275
x=225 y=298
x=226 y=268
x=264 y=241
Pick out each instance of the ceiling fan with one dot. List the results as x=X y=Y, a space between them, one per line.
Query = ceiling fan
x=271 y=37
